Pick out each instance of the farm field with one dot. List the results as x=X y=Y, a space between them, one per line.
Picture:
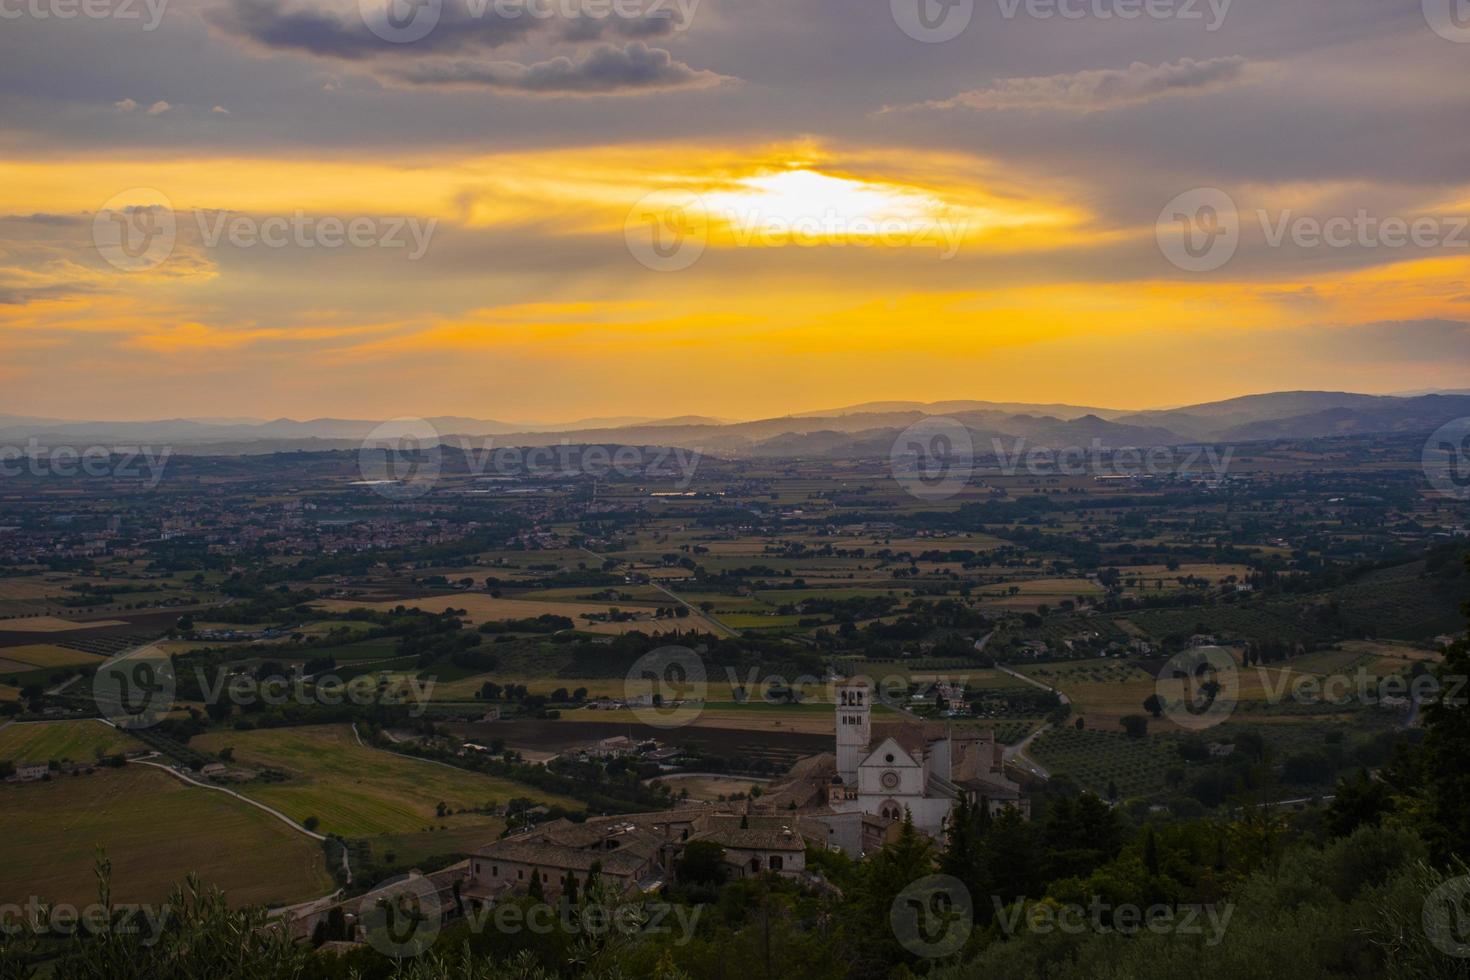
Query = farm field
x=155 y=831
x=703 y=787
x=1093 y=759
x=482 y=608
x=63 y=741
x=1100 y=690
x=40 y=655
x=30 y=588
x=812 y=718
x=407 y=849
x=780 y=718
x=720 y=684
x=53 y=624
x=357 y=791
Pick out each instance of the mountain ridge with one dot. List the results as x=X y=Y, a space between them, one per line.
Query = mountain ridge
x=1270 y=415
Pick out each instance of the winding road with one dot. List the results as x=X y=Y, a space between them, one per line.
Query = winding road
x=1017 y=753
x=346 y=867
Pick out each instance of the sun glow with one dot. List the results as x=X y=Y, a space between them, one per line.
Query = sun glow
x=798 y=198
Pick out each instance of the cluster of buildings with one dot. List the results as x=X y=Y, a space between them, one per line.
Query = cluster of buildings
x=853 y=800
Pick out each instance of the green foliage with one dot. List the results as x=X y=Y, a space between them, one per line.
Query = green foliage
x=703 y=863
x=1446 y=749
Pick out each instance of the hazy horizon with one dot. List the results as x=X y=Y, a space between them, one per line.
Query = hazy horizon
x=635 y=418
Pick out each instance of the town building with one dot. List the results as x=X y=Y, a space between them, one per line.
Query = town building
x=26 y=772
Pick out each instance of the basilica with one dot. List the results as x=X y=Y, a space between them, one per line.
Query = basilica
x=921 y=769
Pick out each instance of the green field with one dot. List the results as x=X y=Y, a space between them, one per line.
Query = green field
x=356 y=791
x=63 y=741
x=155 y=830
x=1093 y=759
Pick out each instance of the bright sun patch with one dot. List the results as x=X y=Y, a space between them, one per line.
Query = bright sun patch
x=811 y=204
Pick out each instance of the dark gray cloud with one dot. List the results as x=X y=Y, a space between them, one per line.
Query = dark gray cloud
x=606 y=70
x=60 y=220
x=1093 y=91
x=16 y=296
x=459 y=28
x=658 y=24
x=272 y=24
x=456 y=50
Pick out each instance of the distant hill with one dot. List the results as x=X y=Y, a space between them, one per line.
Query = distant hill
x=952 y=407
x=858 y=430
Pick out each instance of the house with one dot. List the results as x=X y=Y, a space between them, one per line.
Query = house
x=628 y=851
x=212 y=769
x=755 y=844
x=608 y=748
x=512 y=864
x=26 y=772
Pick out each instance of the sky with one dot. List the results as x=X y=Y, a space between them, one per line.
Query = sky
x=555 y=209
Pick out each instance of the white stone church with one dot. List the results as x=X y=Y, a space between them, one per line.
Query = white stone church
x=923 y=769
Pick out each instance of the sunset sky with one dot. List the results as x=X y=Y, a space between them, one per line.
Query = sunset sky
x=871 y=216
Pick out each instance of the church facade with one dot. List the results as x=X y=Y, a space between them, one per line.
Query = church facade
x=921 y=770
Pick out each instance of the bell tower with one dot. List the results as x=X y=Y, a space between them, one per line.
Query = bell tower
x=853 y=705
